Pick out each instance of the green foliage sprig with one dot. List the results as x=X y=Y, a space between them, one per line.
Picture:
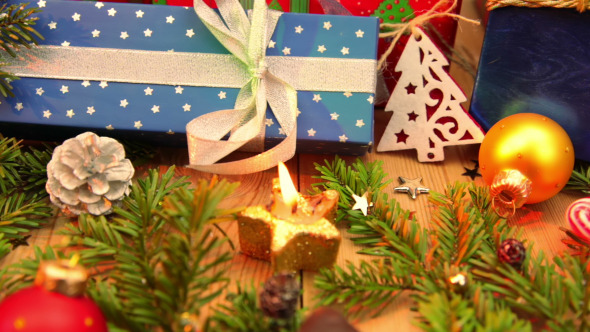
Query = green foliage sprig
x=580 y=179
x=463 y=238
x=16 y=30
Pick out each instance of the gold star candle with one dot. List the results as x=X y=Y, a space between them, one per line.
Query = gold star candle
x=295 y=232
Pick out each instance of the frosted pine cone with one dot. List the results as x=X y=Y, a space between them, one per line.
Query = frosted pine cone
x=88 y=173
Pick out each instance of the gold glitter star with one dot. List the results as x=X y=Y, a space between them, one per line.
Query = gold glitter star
x=411 y=186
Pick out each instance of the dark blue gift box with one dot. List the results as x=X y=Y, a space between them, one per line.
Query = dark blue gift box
x=44 y=108
x=536 y=60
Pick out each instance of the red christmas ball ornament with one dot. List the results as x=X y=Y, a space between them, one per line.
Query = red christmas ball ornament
x=53 y=304
x=578 y=217
x=525 y=158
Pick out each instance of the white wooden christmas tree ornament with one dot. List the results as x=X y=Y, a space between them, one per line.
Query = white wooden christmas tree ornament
x=426 y=105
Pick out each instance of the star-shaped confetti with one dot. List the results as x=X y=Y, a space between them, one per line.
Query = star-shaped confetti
x=103 y=84
x=190 y=33
x=148 y=91
x=137 y=124
x=124 y=103
x=155 y=109
x=95 y=33
x=342 y=138
x=286 y=51
x=170 y=19
x=19 y=106
x=362 y=202
x=70 y=113
x=64 y=89
x=85 y=84
x=90 y=110
x=39 y=91
x=327 y=25
x=139 y=13
x=47 y=114
x=124 y=35
x=112 y=12
x=147 y=32
x=178 y=90
x=99 y=5
x=334 y=116
x=52 y=25
x=345 y=51
x=360 y=33
x=311 y=132
x=322 y=49
x=76 y=17
x=41 y=3
x=222 y=95
x=298 y=29
x=317 y=98
x=360 y=123
x=186 y=107
x=411 y=186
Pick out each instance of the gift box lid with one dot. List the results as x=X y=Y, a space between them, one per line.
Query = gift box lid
x=536 y=60
x=139 y=109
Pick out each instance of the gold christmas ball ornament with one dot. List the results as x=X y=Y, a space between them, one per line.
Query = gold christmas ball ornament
x=525 y=158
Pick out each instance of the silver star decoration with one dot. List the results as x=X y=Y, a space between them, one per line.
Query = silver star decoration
x=85 y=84
x=64 y=89
x=124 y=103
x=343 y=138
x=411 y=186
x=362 y=202
x=90 y=110
x=124 y=35
x=70 y=113
x=110 y=127
x=334 y=116
x=286 y=51
x=147 y=32
x=317 y=97
x=95 y=33
x=103 y=84
x=311 y=132
x=156 y=109
x=139 y=13
x=52 y=25
x=345 y=50
x=360 y=33
x=360 y=123
x=47 y=114
x=271 y=44
x=19 y=106
x=299 y=29
x=190 y=33
x=221 y=95
x=138 y=124
x=148 y=91
x=76 y=17
x=170 y=19
x=186 y=107
x=347 y=94
x=112 y=12
x=322 y=49
x=327 y=25
x=179 y=89
x=99 y=5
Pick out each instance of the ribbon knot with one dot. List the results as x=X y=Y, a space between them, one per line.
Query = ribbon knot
x=260 y=70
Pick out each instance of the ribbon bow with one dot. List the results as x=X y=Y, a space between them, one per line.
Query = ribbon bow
x=247 y=40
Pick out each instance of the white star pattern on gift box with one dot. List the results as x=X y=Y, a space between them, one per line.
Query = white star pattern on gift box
x=128 y=25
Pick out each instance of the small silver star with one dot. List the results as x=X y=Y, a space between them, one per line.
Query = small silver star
x=221 y=95
x=170 y=19
x=90 y=110
x=156 y=109
x=110 y=127
x=360 y=33
x=39 y=91
x=76 y=17
x=317 y=98
x=362 y=202
x=139 y=13
x=170 y=132
x=268 y=122
x=99 y=5
x=138 y=124
x=103 y=84
x=41 y=3
x=272 y=44
x=327 y=25
x=64 y=89
x=70 y=113
x=65 y=43
x=124 y=35
x=47 y=114
x=124 y=103
x=112 y=12
x=343 y=138
x=179 y=89
x=370 y=99
x=286 y=51
x=147 y=32
x=322 y=48
x=190 y=33
x=344 y=50
x=411 y=186
x=95 y=33
x=148 y=91
x=298 y=29
x=360 y=123
x=347 y=94
x=19 y=106
x=85 y=84
x=334 y=116
x=52 y=25
x=186 y=107
x=311 y=132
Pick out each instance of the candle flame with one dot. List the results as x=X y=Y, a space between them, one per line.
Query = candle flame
x=290 y=194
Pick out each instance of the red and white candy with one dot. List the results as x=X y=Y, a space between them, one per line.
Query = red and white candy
x=578 y=217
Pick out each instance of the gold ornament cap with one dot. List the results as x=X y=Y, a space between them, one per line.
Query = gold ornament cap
x=62 y=276
x=510 y=189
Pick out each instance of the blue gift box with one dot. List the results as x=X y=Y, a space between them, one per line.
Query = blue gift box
x=536 y=60
x=49 y=108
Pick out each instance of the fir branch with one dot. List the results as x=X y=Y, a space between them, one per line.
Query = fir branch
x=580 y=178
x=18 y=216
x=16 y=30
x=10 y=152
x=242 y=313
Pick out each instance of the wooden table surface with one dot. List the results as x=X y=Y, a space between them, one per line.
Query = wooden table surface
x=540 y=222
